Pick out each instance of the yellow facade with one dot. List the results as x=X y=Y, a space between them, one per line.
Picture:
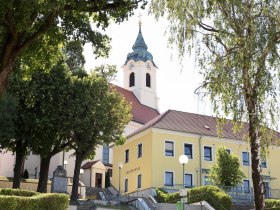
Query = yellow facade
x=154 y=164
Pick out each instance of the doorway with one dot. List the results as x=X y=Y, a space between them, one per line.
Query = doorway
x=98 y=180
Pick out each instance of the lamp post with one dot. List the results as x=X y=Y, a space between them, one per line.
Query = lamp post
x=120 y=165
x=183 y=159
x=65 y=162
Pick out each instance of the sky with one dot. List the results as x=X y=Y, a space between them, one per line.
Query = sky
x=176 y=82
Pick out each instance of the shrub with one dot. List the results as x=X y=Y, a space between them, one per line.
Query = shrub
x=17 y=192
x=272 y=204
x=213 y=195
x=164 y=197
x=16 y=199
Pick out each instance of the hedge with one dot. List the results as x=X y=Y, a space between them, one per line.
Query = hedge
x=272 y=204
x=164 y=197
x=16 y=199
x=213 y=195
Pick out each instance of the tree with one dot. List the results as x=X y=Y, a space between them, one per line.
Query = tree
x=15 y=114
x=23 y=23
x=49 y=104
x=237 y=46
x=226 y=171
x=99 y=116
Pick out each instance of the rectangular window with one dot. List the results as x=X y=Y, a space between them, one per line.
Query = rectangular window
x=168 y=179
x=207 y=153
x=188 y=181
x=246 y=186
x=105 y=154
x=139 y=150
x=125 y=185
x=126 y=156
x=188 y=150
x=169 y=148
x=263 y=163
x=139 y=181
x=228 y=151
x=206 y=180
x=245 y=158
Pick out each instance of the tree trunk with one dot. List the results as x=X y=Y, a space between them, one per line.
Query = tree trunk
x=255 y=158
x=44 y=171
x=5 y=72
x=20 y=155
x=75 y=187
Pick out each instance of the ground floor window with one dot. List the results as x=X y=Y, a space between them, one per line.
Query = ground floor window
x=139 y=181
x=206 y=180
x=188 y=180
x=168 y=178
x=125 y=185
x=246 y=186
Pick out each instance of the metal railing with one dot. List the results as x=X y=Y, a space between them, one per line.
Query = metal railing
x=209 y=199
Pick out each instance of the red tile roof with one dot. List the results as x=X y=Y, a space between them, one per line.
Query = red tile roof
x=141 y=113
x=194 y=124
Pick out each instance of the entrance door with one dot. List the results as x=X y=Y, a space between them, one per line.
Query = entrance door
x=98 y=180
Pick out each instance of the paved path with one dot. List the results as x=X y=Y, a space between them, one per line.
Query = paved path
x=98 y=208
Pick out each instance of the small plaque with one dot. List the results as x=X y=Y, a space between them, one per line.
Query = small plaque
x=183 y=192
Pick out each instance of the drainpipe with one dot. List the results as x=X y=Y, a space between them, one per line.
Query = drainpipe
x=200 y=161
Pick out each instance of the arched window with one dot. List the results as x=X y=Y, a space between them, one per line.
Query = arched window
x=131 y=79
x=148 y=80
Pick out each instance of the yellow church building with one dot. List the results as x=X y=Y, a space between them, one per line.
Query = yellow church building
x=150 y=156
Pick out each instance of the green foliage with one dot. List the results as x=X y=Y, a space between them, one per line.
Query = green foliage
x=213 y=195
x=7 y=117
x=15 y=199
x=17 y=192
x=164 y=197
x=237 y=48
x=73 y=52
x=272 y=204
x=226 y=171
x=36 y=27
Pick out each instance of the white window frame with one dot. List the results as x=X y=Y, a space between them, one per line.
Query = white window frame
x=165 y=180
x=248 y=158
x=125 y=156
x=186 y=173
x=137 y=181
x=192 y=150
x=249 y=188
x=138 y=150
x=228 y=150
x=173 y=148
x=125 y=185
x=211 y=153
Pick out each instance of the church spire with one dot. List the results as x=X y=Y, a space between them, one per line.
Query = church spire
x=140 y=49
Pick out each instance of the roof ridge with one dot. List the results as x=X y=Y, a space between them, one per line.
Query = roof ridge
x=149 y=124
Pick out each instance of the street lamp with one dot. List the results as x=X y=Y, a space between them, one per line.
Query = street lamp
x=65 y=162
x=183 y=159
x=120 y=165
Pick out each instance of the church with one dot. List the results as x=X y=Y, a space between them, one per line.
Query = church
x=139 y=89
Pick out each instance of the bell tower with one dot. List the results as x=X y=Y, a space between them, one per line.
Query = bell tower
x=140 y=73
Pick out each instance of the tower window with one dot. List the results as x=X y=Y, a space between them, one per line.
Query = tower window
x=131 y=79
x=148 y=80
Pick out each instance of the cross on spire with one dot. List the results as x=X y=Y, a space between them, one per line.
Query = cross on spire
x=140 y=22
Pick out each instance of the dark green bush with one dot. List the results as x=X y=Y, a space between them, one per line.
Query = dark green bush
x=272 y=204
x=213 y=195
x=15 y=199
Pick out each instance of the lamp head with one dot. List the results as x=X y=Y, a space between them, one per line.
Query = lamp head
x=183 y=159
x=120 y=165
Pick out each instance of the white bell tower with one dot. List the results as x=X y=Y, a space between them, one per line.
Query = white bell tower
x=140 y=73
